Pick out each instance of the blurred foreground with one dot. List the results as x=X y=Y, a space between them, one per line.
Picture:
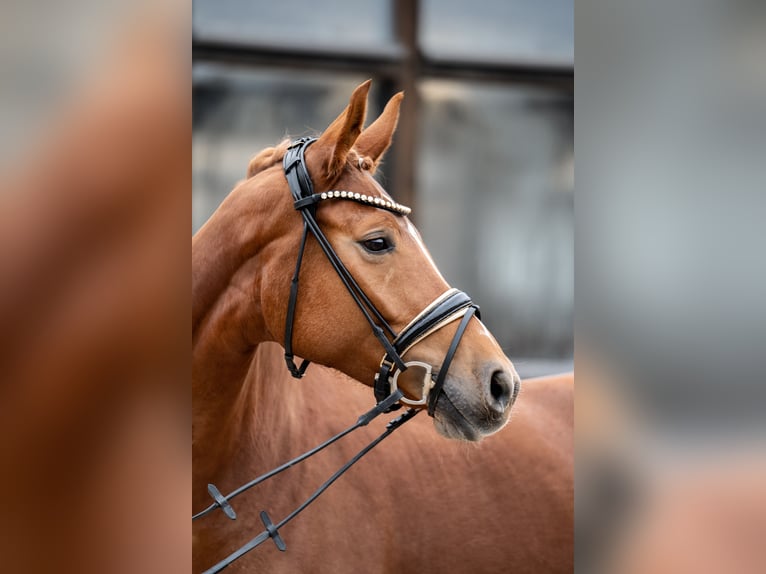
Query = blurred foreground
x=94 y=288
x=670 y=109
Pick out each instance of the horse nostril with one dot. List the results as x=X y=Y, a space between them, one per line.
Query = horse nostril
x=500 y=390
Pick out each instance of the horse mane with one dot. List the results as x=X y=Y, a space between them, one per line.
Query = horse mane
x=273 y=155
x=267 y=158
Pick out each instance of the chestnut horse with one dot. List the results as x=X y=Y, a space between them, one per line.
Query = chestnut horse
x=419 y=502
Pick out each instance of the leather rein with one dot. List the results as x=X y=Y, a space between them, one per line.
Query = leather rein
x=448 y=307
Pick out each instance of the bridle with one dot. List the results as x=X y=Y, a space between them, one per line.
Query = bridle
x=448 y=307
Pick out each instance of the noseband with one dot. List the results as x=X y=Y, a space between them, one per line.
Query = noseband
x=448 y=307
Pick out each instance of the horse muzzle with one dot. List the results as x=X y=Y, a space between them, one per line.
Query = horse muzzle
x=471 y=416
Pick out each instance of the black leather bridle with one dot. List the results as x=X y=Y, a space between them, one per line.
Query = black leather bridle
x=448 y=307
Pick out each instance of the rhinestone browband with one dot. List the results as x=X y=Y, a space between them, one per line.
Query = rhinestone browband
x=366 y=199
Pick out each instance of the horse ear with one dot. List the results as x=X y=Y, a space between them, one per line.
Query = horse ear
x=338 y=139
x=376 y=139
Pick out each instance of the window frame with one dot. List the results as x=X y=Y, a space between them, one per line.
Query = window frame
x=398 y=66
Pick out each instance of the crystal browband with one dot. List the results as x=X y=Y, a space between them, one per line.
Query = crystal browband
x=380 y=202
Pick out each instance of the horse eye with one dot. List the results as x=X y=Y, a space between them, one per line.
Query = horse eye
x=376 y=245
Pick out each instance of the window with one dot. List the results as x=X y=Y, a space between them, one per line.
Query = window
x=484 y=151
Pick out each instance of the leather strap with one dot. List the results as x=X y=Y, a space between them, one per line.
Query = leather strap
x=424 y=324
x=295 y=370
x=436 y=391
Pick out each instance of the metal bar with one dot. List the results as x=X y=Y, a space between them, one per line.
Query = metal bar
x=406 y=32
x=380 y=62
x=392 y=63
x=560 y=76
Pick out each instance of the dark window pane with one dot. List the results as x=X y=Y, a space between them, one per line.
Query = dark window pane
x=534 y=30
x=334 y=23
x=240 y=111
x=495 y=206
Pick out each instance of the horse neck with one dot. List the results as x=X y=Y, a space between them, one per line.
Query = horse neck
x=228 y=389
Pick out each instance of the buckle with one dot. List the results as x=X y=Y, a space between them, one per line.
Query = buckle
x=384 y=363
x=298 y=143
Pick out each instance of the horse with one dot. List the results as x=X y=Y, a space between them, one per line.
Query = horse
x=425 y=501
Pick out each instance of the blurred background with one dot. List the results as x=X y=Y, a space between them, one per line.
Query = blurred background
x=671 y=321
x=484 y=149
x=95 y=173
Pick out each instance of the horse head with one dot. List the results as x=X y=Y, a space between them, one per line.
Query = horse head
x=385 y=255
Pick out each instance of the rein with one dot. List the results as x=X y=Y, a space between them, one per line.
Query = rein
x=448 y=307
x=272 y=530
